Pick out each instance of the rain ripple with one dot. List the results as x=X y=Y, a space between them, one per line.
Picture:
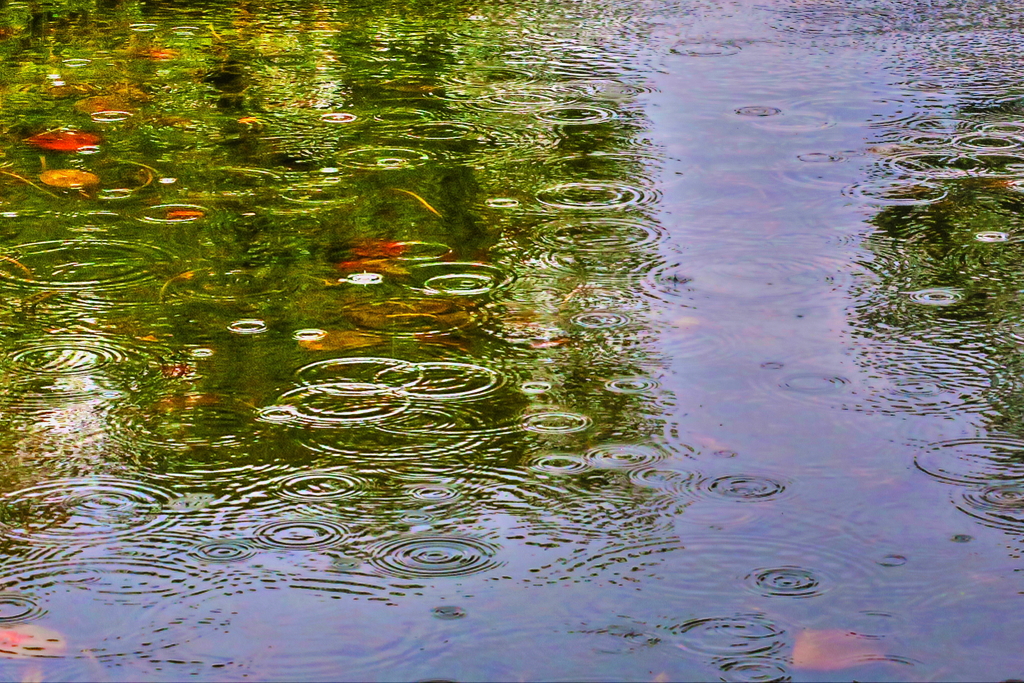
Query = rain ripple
x=705 y=49
x=360 y=371
x=59 y=368
x=223 y=551
x=451 y=381
x=577 y=115
x=329 y=405
x=384 y=158
x=431 y=556
x=75 y=265
x=596 y=195
x=134 y=580
x=186 y=421
x=1000 y=506
x=83 y=510
x=791 y=582
x=458 y=279
x=741 y=635
x=315 y=487
x=973 y=461
x=558 y=464
x=600 y=235
x=748 y=488
x=15 y=607
x=623 y=456
x=300 y=534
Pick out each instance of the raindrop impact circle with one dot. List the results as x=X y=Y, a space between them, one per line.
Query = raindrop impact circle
x=431 y=556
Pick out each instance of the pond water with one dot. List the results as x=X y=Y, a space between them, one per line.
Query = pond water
x=641 y=340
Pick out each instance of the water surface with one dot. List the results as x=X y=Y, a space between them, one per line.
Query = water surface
x=543 y=341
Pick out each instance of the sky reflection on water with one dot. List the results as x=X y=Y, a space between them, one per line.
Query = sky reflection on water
x=643 y=341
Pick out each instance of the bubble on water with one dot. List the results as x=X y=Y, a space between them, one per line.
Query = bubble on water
x=558 y=464
x=201 y=352
x=110 y=116
x=223 y=551
x=577 y=115
x=792 y=582
x=623 y=456
x=16 y=607
x=992 y=236
x=536 y=387
x=448 y=612
x=384 y=158
x=71 y=265
x=820 y=158
x=892 y=560
x=772 y=365
x=363 y=279
x=114 y=193
x=596 y=195
x=937 y=296
x=142 y=27
x=315 y=487
x=310 y=334
x=447 y=380
x=432 y=556
x=338 y=117
x=705 y=49
x=555 y=422
x=732 y=636
x=745 y=488
x=76 y=62
x=248 y=326
x=961 y=538
x=174 y=213
x=502 y=203
x=300 y=534
x=758 y=110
